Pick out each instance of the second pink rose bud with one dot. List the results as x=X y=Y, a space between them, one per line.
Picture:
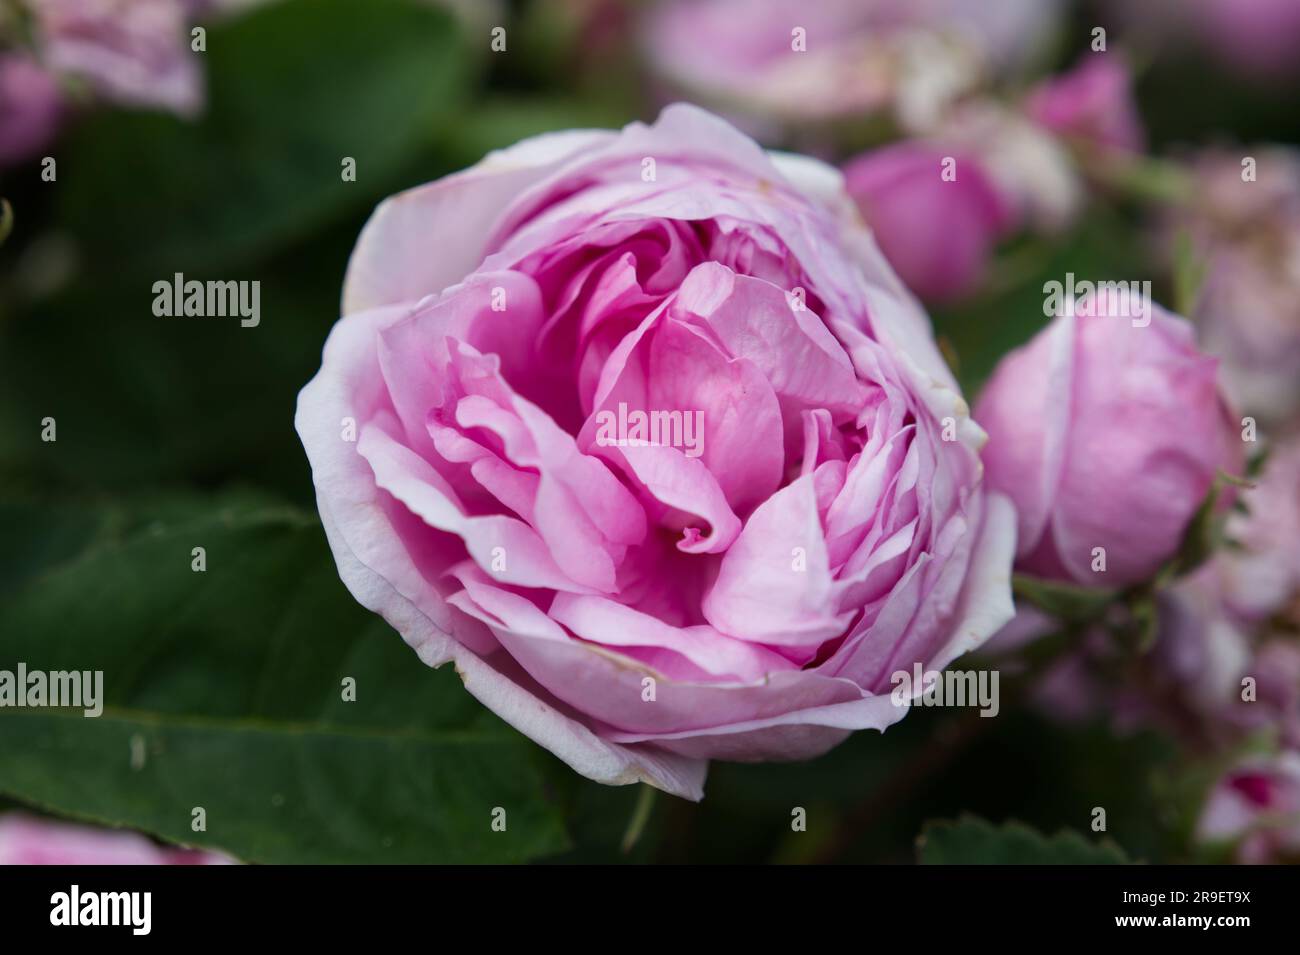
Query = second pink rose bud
x=1107 y=431
x=903 y=190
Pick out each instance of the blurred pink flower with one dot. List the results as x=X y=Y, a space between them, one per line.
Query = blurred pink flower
x=133 y=52
x=1092 y=104
x=1203 y=651
x=31 y=108
x=1234 y=617
x=1259 y=37
x=1276 y=669
x=1204 y=654
x=1246 y=231
x=1030 y=166
x=1106 y=433
x=31 y=840
x=1261 y=573
x=857 y=56
x=1256 y=806
x=936 y=216
x=1256 y=39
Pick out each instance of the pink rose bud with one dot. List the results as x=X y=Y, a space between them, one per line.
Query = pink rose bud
x=31 y=107
x=1092 y=104
x=1107 y=430
x=937 y=216
x=28 y=840
x=639 y=430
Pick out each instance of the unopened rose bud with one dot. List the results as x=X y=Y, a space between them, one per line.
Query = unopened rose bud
x=1107 y=433
x=936 y=215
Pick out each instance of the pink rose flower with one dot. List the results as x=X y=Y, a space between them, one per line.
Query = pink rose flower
x=1106 y=433
x=1092 y=104
x=1256 y=806
x=31 y=108
x=134 y=52
x=938 y=232
x=637 y=601
x=28 y=840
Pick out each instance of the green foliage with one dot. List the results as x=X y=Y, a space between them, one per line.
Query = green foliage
x=193 y=399
x=972 y=841
x=294 y=89
x=1068 y=602
x=224 y=689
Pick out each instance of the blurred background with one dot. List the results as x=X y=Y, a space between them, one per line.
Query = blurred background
x=144 y=138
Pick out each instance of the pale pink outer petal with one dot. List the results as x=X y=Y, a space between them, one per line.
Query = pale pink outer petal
x=384 y=578
x=401 y=256
x=1027 y=409
x=984 y=607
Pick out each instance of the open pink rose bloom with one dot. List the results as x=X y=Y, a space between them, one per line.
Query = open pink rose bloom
x=639 y=430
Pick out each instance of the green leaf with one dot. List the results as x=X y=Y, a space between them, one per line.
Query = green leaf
x=500 y=121
x=293 y=89
x=1204 y=533
x=1190 y=269
x=193 y=399
x=1144 y=178
x=223 y=690
x=1065 y=601
x=974 y=841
